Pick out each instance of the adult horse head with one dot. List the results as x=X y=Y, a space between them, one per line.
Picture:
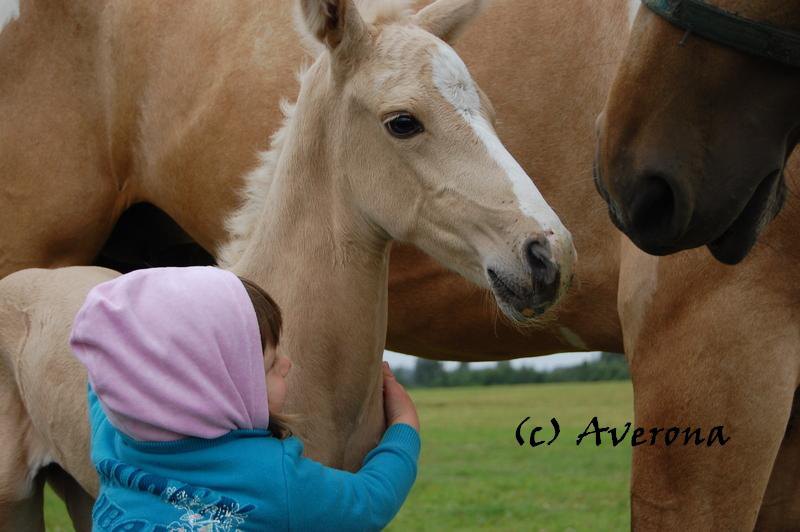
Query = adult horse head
x=700 y=120
x=401 y=138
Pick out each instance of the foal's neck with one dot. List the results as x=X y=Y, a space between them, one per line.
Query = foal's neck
x=329 y=272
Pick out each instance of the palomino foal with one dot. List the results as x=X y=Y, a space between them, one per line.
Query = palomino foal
x=390 y=139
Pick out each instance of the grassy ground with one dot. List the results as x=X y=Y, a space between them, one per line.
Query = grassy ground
x=474 y=476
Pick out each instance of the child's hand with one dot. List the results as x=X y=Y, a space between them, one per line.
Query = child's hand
x=397 y=404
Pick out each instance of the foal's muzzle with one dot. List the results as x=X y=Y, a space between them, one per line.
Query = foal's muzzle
x=528 y=297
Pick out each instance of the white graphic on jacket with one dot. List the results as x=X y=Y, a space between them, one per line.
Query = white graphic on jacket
x=204 y=510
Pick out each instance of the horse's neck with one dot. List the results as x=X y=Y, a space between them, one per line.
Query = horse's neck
x=332 y=288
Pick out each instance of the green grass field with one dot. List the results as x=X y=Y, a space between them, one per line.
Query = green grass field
x=474 y=476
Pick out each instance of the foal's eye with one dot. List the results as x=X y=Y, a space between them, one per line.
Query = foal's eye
x=403 y=126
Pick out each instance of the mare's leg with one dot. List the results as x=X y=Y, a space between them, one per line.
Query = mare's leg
x=60 y=196
x=79 y=503
x=708 y=346
x=780 y=509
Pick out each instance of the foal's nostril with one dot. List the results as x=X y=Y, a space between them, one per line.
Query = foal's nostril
x=653 y=211
x=540 y=260
x=545 y=273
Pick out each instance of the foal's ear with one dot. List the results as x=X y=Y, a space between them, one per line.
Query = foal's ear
x=333 y=22
x=447 y=18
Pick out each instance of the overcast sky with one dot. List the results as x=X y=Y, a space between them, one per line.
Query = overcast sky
x=540 y=363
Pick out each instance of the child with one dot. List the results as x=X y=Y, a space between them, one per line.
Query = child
x=186 y=435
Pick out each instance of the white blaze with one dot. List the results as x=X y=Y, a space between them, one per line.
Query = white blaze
x=452 y=79
x=9 y=10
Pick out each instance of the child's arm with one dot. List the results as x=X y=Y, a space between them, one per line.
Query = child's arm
x=96 y=414
x=325 y=498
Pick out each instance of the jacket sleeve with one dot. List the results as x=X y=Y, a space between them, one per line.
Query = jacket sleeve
x=324 y=498
x=96 y=414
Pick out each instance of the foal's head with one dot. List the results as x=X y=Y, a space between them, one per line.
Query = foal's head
x=407 y=138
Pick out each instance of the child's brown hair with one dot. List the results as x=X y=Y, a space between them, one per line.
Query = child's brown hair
x=270 y=321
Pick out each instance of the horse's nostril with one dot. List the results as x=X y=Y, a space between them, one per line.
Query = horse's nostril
x=652 y=211
x=540 y=260
x=545 y=273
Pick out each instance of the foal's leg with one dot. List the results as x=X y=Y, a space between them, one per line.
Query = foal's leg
x=780 y=509
x=79 y=503
x=24 y=513
x=706 y=349
x=20 y=488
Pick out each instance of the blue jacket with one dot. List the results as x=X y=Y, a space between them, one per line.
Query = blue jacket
x=244 y=480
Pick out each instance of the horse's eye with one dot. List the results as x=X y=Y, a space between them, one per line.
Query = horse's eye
x=404 y=126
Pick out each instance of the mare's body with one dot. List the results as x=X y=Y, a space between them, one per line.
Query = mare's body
x=696 y=351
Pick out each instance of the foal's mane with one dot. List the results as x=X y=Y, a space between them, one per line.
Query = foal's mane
x=242 y=222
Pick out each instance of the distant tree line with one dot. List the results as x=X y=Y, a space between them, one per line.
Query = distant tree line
x=431 y=373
